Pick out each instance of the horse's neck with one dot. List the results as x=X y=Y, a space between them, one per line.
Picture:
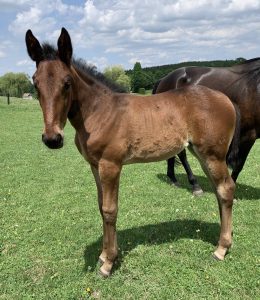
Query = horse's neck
x=89 y=96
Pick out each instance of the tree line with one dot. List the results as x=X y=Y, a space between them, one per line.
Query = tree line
x=140 y=79
x=15 y=84
x=136 y=80
x=147 y=77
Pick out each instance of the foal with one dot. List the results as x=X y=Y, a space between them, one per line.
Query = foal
x=115 y=129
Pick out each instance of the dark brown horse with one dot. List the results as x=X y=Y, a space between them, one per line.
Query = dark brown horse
x=115 y=129
x=241 y=84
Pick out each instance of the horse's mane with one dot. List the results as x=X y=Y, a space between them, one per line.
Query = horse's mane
x=249 y=70
x=256 y=59
x=50 y=52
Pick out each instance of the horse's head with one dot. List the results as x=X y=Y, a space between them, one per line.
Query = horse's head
x=54 y=82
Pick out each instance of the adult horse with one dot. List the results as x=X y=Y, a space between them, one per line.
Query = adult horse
x=241 y=84
x=114 y=129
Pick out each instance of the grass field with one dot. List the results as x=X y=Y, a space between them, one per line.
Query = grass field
x=50 y=228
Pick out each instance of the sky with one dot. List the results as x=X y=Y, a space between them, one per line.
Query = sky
x=121 y=32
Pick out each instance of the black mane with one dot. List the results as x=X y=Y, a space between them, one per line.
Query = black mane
x=247 y=65
x=249 y=71
x=256 y=59
x=50 y=52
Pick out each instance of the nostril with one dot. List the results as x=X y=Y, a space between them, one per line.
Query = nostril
x=53 y=142
x=59 y=138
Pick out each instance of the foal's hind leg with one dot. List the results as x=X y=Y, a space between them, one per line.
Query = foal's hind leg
x=224 y=189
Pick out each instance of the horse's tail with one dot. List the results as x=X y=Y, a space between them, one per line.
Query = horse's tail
x=232 y=155
x=155 y=86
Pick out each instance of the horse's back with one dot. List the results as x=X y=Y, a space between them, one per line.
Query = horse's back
x=181 y=77
x=215 y=78
x=187 y=102
x=162 y=125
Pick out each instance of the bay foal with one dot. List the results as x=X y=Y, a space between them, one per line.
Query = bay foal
x=115 y=129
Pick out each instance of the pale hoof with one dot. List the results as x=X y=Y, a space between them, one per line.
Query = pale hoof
x=104 y=273
x=217 y=256
x=175 y=184
x=197 y=192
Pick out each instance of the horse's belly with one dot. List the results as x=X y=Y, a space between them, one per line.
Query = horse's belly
x=145 y=150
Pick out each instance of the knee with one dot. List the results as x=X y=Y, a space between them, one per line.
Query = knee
x=226 y=190
x=109 y=214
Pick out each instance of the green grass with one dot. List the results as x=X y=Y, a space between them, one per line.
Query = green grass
x=148 y=92
x=50 y=228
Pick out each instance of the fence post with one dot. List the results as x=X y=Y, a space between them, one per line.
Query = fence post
x=8 y=98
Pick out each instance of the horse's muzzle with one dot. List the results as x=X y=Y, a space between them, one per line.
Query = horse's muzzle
x=53 y=142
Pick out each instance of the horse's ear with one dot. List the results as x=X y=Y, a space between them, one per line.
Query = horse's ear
x=65 y=47
x=34 y=48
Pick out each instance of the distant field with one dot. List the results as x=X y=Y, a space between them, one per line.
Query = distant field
x=50 y=228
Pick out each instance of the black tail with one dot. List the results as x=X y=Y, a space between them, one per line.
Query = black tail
x=232 y=155
x=155 y=86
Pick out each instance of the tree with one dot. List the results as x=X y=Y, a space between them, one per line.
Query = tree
x=113 y=72
x=15 y=84
x=138 y=78
x=117 y=74
x=124 y=81
x=240 y=59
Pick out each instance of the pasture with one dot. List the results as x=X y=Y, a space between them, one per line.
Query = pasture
x=50 y=227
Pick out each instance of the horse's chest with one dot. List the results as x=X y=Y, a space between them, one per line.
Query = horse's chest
x=81 y=144
x=91 y=147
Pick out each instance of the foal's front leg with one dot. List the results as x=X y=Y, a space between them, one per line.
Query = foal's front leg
x=103 y=254
x=109 y=174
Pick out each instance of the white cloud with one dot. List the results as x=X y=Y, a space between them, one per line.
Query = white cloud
x=122 y=26
x=2 y=54
x=4 y=45
x=115 y=50
x=25 y=20
x=11 y=5
x=25 y=62
x=241 y=5
x=106 y=19
x=100 y=62
x=42 y=16
x=153 y=32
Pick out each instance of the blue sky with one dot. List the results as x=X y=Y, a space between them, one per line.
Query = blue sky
x=123 y=32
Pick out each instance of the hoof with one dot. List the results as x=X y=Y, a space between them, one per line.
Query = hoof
x=197 y=192
x=104 y=273
x=175 y=184
x=217 y=257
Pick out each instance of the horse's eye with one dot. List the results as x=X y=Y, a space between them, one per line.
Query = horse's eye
x=67 y=85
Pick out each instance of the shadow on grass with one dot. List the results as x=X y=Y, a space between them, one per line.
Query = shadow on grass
x=243 y=191
x=154 y=234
